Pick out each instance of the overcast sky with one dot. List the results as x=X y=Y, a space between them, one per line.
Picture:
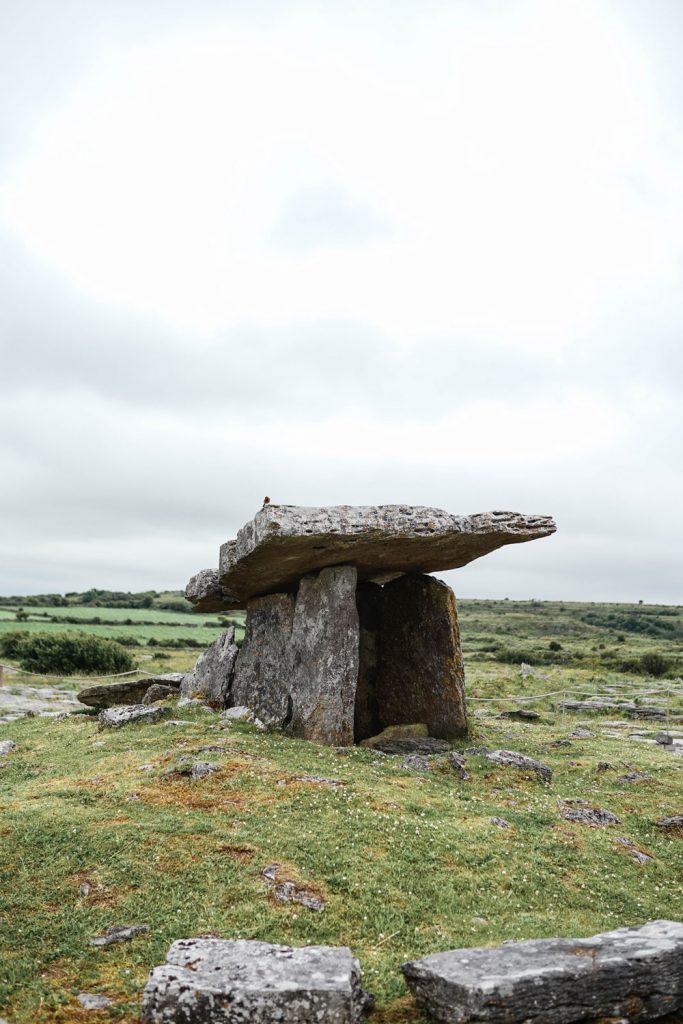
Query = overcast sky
x=341 y=253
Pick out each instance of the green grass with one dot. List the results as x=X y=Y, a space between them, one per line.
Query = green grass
x=405 y=862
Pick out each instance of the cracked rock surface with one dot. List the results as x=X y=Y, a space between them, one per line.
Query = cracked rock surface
x=217 y=980
x=627 y=973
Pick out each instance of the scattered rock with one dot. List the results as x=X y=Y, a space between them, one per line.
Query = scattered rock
x=248 y=981
x=239 y=714
x=637 y=855
x=522 y=714
x=605 y=766
x=212 y=676
x=6 y=747
x=673 y=823
x=515 y=760
x=84 y=889
x=457 y=763
x=500 y=822
x=119 y=933
x=634 y=776
x=581 y=734
x=664 y=739
x=417 y=763
x=93 y=1002
x=581 y=811
x=189 y=768
x=116 y=718
x=526 y=670
x=195 y=702
x=130 y=691
x=159 y=691
x=624 y=973
x=287 y=891
x=178 y=721
x=560 y=743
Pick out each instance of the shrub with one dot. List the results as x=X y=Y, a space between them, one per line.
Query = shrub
x=554 y=646
x=66 y=653
x=652 y=663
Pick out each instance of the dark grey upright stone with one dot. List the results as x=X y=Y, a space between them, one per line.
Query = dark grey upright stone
x=631 y=973
x=323 y=657
x=217 y=981
x=262 y=680
x=420 y=677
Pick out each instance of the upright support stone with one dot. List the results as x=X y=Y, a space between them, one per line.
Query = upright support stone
x=262 y=677
x=323 y=664
x=420 y=675
x=211 y=677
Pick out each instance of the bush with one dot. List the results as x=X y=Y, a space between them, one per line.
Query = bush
x=66 y=653
x=554 y=646
x=652 y=663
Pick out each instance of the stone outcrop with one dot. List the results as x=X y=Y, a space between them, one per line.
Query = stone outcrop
x=243 y=981
x=346 y=634
x=282 y=543
x=129 y=691
x=211 y=677
x=631 y=973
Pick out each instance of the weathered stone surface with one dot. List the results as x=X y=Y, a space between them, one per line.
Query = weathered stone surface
x=158 y=691
x=673 y=823
x=410 y=730
x=284 y=542
x=90 y=1001
x=515 y=760
x=287 y=891
x=129 y=691
x=6 y=747
x=119 y=933
x=249 y=982
x=261 y=676
x=581 y=812
x=630 y=972
x=323 y=657
x=116 y=718
x=212 y=676
x=420 y=675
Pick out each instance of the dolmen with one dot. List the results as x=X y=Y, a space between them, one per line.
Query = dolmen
x=346 y=631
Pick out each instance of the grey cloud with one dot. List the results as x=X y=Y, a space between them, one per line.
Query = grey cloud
x=326 y=214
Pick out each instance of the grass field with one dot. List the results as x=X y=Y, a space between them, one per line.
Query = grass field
x=407 y=863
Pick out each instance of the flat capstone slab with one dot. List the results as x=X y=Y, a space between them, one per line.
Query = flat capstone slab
x=633 y=973
x=282 y=543
x=237 y=982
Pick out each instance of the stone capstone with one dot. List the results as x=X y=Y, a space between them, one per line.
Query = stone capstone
x=130 y=691
x=212 y=676
x=631 y=973
x=282 y=543
x=250 y=982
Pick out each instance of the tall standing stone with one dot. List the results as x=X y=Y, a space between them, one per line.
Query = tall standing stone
x=323 y=657
x=262 y=678
x=420 y=675
x=211 y=677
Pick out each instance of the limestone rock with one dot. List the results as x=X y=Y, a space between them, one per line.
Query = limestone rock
x=129 y=691
x=6 y=747
x=119 y=933
x=630 y=972
x=212 y=676
x=261 y=680
x=116 y=718
x=250 y=982
x=323 y=657
x=420 y=677
x=581 y=812
x=287 y=891
x=90 y=1001
x=285 y=542
x=515 y=760
x=158 y=691
x=426 y=745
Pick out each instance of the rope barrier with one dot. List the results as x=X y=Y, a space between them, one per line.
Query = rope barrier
x=80 y=679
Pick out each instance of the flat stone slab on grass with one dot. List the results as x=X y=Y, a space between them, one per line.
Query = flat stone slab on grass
x=285 y=542
x=116 y=718
x=242 y=981
x=628 y=973
x=130 y=691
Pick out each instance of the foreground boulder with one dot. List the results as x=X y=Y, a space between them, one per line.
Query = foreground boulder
x=632 y=973
x=211 y=677
x=238 y=982
x=130 y=691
